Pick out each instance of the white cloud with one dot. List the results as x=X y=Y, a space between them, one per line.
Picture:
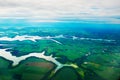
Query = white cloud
x=59 y=9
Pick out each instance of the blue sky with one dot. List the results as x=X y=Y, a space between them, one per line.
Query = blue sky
x=79 y=11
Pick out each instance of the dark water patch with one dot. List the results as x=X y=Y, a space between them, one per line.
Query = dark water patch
x=17 y=77
x=63 y=59
x=81 y=60
x=19 y=53
x=119 y=78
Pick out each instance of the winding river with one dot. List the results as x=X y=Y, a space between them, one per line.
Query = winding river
x=16 y=60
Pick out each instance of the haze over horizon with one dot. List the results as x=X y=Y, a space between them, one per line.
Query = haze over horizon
x=77 y=11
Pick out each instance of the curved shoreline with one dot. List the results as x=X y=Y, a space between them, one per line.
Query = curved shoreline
x=17 y=60
x=31 y=38
x=52 y=38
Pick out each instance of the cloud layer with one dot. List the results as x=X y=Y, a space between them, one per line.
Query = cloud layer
x=61 y=10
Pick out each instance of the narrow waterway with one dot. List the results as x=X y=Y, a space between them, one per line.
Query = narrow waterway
x=16 y=60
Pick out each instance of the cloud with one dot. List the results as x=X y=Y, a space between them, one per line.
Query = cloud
x=59 y=10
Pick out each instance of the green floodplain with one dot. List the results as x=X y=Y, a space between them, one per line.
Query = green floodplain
x=95 y=57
